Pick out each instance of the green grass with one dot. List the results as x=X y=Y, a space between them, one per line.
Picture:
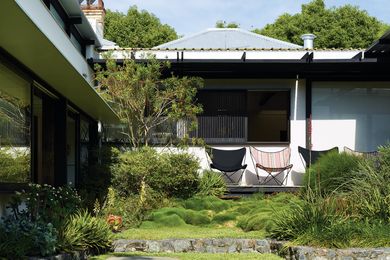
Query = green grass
x=195 y=256
x=188 y=232
x=210 y=217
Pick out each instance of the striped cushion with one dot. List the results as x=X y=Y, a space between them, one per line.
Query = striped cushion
x=279 y=159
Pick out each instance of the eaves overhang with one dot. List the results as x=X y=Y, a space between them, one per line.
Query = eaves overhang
x=29 y=45
x=268 y=64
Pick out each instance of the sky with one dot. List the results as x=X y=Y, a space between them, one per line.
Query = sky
x=191 y=16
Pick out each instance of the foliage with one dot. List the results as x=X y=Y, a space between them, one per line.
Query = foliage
x=96 y=176
x=136 y=29
x=331 y=172
x=343 y=27
x=85 y=232
x=131 y=208
x=143 y=100
x=211 y=184
x=369 y=190
x=258 y=213
x=251 y=214
x=46 y=203
x=321 y=222
x=224 y=24
x=14 y=165
x=178 y=177
x=206 y=203
x=355 y=215
x=174 y=175
x=152 y=232
x=19 y=237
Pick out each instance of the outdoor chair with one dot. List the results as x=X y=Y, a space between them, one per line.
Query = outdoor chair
x=367 y=155
x=228 y=162
x=310 y=157
x=274 y=163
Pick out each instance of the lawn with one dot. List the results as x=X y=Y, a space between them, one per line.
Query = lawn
x=195 y=256
x=188 y=232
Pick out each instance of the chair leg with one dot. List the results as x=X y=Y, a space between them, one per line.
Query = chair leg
x=285 y=177
x=231 y=175
x=273 y=176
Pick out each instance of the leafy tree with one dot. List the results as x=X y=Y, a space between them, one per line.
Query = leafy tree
x=143 y=99
x=224 y=24
x=343 y=27
x=137 y=29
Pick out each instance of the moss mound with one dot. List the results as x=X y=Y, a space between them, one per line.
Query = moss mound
x=206 y=203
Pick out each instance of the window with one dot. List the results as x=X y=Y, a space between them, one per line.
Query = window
x=15 y=111
x=239 y=116
x=352 y=114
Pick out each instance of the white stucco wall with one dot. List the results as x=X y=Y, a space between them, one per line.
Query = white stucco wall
x=352 y=114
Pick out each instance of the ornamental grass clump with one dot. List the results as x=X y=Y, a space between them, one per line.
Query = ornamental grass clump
x=211 y=184
x=331 y=171
x=83 y=232
x=369 y=190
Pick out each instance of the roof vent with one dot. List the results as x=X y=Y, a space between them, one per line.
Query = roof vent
x=308 y=40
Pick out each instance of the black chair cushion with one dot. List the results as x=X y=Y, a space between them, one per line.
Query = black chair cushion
x=227 y=160
x=315 y=155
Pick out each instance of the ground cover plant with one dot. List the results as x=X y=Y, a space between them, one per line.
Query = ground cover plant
x=355 y=214
x=211 y=217
x=50 y=222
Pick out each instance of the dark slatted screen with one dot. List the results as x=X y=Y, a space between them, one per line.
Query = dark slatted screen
x=215 y=103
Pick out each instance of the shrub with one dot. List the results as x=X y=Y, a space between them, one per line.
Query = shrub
x=211 y=184
x=331 y=171
x=84 y=232
x=48 y=204
x=131 y=208
x=14 y=165
x=20 y=237
x=172 y=174
x=180 y=178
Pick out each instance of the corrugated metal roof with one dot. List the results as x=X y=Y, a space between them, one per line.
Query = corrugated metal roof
x=227 y=38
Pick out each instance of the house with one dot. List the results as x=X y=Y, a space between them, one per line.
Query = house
x=50 y=113
x=269 y=94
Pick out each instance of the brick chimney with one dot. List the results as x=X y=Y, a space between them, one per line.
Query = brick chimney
x=95 y=13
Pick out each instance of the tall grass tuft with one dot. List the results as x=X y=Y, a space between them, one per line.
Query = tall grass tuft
x=331 y=170
x=369 y=190
x=211 y=184
x=84 y=232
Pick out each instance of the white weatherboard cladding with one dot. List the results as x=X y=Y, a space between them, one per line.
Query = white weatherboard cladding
x=352 y=114
x=298 y=132
x=41 y=17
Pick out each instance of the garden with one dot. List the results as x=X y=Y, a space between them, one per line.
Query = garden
x=159 y=195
